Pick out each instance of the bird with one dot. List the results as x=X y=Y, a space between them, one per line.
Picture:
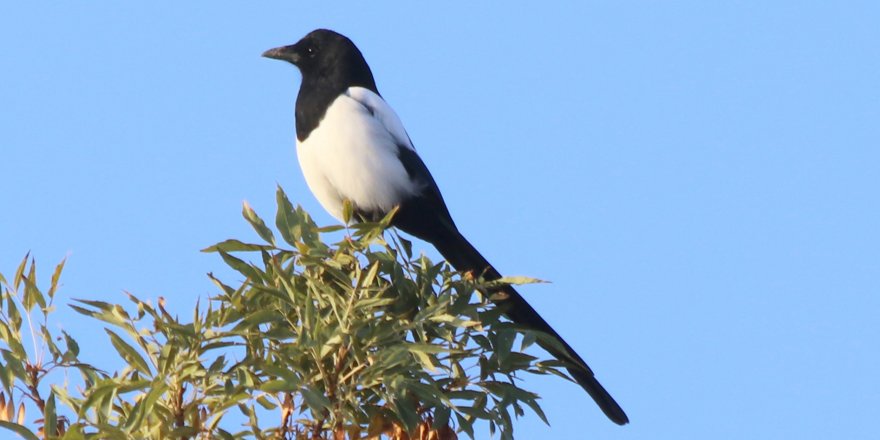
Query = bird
x=353 y=148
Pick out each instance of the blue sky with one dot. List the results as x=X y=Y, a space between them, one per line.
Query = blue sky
x=699 y=181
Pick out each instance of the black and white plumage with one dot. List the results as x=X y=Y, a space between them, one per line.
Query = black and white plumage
x=352 y=146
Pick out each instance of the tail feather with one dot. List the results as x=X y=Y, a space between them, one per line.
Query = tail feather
x=464 y=257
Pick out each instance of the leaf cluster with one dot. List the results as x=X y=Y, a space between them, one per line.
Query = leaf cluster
x=354 y=339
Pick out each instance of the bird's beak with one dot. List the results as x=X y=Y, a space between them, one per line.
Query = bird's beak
x=284 y=53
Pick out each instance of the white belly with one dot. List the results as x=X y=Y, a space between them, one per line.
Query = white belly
x=352 y=155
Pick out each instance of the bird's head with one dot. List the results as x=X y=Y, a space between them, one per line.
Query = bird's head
x=325 y=54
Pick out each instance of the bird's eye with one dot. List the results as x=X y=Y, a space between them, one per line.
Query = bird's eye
x=311 y=50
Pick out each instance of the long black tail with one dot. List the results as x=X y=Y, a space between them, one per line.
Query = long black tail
x=464 y=257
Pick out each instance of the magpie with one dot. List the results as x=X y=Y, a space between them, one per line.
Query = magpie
x=352 y=146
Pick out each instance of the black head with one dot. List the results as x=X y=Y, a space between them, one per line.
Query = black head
x=326 y=58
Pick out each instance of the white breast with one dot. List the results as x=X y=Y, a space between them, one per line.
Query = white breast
x=352 y=154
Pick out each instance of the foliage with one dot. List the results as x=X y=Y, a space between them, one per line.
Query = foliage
x=358 y=339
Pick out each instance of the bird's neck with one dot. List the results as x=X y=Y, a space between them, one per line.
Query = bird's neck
x=317 y=92
x=311 y=105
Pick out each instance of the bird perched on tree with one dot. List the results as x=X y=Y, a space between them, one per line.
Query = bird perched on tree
x=352 y=146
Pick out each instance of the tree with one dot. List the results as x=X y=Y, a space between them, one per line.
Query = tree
x=355 y=339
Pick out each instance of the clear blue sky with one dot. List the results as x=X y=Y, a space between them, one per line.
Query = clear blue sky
x=699 y=182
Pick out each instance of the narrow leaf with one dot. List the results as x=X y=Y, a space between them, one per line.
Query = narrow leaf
x=243 y=268
x=233 y=245
x=55 y=277
x=18 y=429
x=284 y=217
x=49 y=417
x=257 y=223
x=16 y=281
x=128 y=353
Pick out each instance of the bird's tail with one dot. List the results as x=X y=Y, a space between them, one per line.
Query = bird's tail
x=464 y=257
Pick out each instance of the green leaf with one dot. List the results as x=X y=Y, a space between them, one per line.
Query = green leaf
x=330 y=228
x=503 y=344
x=49 y=416
x=527 y=340
x=32 y=295
x=278 y=386
x=236 y=246
x=517 y=280
x=284 y=217
x=7 y=378
x=168 y=358
x=533 y=404
x=50 y=343
x=20 y=430
x=370 y=277
x=55 y=277
x=14 y=315
x=128 y=353
x=145 y=406
x=407 y=247
x=74 y=432
x=183 y=432
x=14 y=364
x=109 y=313
x=253 y=320
x=407 y=414
x=257 y=223
x=16 y=280
x=347 y=211
x=249 y=271
x=330 y=345
x=266 y=403
x=315 y=400
x=72 y=347
x=441 y=416
x=426 y=361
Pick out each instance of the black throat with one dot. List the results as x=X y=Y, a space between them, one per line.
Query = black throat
x=320 y=88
